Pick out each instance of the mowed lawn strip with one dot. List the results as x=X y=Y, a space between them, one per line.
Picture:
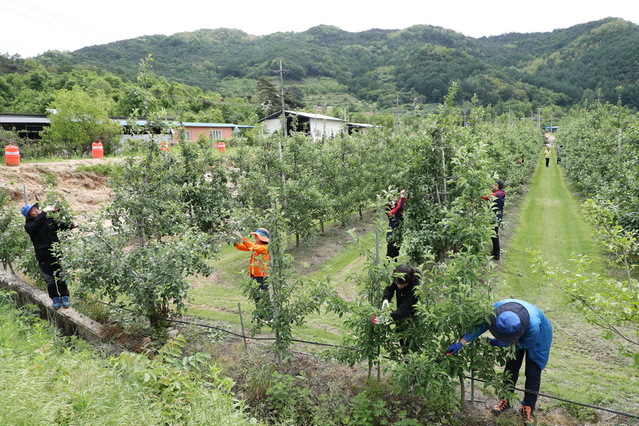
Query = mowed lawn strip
x=583 y=366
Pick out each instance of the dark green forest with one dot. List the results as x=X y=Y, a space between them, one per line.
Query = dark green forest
x=229 y=75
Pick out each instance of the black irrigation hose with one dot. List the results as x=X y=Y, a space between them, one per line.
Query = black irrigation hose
x=256 y=338
x=595 y=407
x=241 y=336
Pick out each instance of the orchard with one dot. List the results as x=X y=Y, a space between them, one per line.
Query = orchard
x=173 y=213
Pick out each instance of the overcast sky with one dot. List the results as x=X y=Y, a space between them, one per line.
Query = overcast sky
x=31 y=27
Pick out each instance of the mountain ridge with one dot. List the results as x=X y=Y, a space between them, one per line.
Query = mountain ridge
x=515 y=71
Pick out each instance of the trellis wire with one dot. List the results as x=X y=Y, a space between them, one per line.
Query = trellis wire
x=244 y=337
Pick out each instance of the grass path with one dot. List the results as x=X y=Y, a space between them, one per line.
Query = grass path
x=583 y=366
x=549 y=222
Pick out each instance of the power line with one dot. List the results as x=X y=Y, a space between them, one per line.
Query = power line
x=47 y=17
x=50 y=14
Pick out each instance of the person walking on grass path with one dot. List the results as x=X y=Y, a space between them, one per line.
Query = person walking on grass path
x=258 y=268
x=42 y=230
x=524 y=325
x=547 y=155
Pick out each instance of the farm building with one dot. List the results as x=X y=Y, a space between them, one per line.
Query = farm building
x=358 y=127
x=192 y=131
x=213 y=131
x=30 y=125
x=315 y=125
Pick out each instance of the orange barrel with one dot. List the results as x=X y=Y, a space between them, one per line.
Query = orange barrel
x=12 y=155
x=97 y=150
x=164 y=146
x=221 y=146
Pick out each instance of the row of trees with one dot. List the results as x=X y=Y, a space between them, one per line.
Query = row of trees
x=600 y=156
x=447 y=226
x=294 y=185
x=600 y=152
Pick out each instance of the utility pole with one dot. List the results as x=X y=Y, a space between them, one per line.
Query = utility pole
x=284 y=127
x=539 y=118
x=284 y=131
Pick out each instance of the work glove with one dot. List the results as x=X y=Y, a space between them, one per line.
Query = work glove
x=49 y=209
x=454 y=348
x=382 y=319
x=493 y=342
x=385 y=305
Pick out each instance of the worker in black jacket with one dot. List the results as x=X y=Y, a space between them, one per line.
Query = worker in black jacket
x=403 y=288
x=405 y=282
x=43 y=233
x=498 y=197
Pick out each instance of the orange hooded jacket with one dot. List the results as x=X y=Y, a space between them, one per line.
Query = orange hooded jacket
x=260 y=257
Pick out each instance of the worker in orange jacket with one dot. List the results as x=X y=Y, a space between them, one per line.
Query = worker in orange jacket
x=258 y=268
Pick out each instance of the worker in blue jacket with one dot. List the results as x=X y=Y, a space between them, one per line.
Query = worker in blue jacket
x=523 y=324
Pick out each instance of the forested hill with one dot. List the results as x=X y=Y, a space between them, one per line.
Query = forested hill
x=374 y=70
x=419 y=63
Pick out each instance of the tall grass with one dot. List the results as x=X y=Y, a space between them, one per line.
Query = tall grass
x=48 y=379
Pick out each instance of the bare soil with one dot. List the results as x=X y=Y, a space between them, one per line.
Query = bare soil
x=85 y=191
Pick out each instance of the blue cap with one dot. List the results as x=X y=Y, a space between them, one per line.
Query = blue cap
x=509 y=322
x=27 y=208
